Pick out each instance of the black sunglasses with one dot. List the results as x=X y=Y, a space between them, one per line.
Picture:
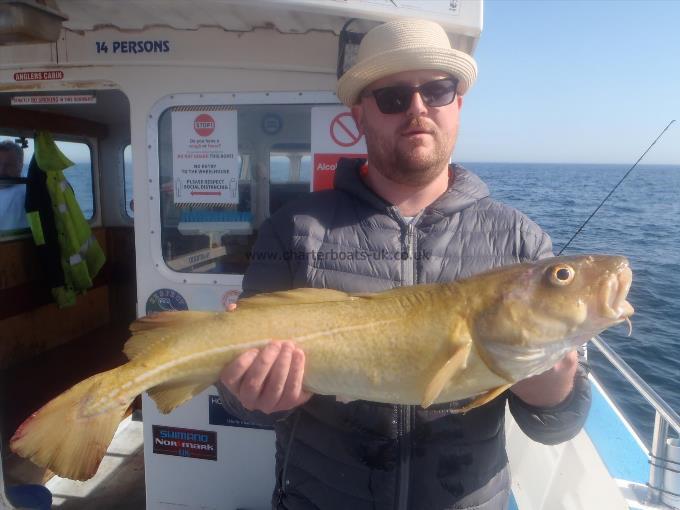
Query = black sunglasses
x=397 y=99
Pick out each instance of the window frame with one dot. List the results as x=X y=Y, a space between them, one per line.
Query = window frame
x=124 y=210
x=91 y=143
x=152 y=229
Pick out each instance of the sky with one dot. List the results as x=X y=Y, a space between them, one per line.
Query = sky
x=574 y=81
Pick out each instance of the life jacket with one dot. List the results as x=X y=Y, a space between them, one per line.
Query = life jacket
x=80 y=255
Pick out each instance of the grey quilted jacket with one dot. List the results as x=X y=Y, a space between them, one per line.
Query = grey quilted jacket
x=365 y=455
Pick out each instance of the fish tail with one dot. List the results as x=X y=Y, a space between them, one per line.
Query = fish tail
x=67 y=437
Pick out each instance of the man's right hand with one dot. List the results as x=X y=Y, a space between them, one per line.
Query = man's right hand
x=268 y=379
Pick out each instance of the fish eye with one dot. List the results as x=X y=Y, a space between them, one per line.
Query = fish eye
x=562 y=274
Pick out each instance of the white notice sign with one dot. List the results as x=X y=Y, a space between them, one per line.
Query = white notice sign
x=334 y=135
x=40 y=100
x=205 y=157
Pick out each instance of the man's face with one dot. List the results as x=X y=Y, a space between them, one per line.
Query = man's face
x=412 y=147
x=9 y=164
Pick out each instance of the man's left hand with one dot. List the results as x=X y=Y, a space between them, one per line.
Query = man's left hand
x=549 y=388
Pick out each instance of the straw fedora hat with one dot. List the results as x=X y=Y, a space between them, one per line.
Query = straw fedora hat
x=405 y=45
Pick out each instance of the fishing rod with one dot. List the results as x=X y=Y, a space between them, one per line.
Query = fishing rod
x=614 y=188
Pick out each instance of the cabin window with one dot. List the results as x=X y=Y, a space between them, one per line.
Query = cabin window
x=226 y=182
x=79 y=175
x=290 y=175
x=128 y=177
x=13 y=187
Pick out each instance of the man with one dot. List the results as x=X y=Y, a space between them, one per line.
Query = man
x=405 y=92
x=12 y=195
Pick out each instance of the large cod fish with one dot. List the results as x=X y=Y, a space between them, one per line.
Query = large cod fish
x=411 y=345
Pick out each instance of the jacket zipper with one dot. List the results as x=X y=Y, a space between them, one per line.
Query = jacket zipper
x=406 y=414
x=284 y=482
x=409 y=263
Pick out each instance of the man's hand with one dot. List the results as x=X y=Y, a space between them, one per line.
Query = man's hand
x=268 y=379
x=549 y=388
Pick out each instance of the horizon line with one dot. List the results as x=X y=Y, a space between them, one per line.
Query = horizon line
x=562 y=163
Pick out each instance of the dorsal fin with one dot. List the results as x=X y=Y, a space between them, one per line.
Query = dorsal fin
x=145 y=329
x=138 y=343
x=165 y=319
x=295 y=297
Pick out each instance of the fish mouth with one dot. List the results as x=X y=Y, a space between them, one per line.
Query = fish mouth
x=613 y=295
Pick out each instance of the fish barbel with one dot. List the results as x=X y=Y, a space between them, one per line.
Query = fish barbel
x=411 y=345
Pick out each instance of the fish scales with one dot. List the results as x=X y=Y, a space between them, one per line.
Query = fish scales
x=411 y=345
x=349 y=346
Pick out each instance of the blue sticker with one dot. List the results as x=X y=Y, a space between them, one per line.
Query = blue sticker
x=165 y=300
x=218 y=415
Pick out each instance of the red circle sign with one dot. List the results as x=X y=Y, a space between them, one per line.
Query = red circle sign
x=344 y=130
x=204 y=125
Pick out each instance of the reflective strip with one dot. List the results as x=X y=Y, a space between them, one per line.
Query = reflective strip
x=63 y=185
x=62 y=208
x=86 y=245
x=75 y=259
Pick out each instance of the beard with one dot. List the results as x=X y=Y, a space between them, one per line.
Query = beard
x=401 y=161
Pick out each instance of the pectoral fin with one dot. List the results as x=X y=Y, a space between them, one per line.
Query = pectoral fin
x=344 y=400
x=451 y=368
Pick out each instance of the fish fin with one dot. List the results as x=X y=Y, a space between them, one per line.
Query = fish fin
x=344 y=400
x=137 y=344
x=295 y=297
x=61 y=437
x=170 y=319
x=169 y=396
x=484 y=398
x=451 y=368
x=145 y=329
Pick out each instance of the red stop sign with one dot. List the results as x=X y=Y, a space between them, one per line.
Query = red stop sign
x=204 y=125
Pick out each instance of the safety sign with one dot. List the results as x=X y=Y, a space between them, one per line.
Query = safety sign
x=205 y=157
x=335 y=135
x=344 y=131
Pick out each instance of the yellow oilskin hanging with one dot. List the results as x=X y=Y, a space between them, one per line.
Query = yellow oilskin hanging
x=81 y=255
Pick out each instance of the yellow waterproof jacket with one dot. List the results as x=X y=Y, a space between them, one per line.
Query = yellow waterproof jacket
x=81 y=256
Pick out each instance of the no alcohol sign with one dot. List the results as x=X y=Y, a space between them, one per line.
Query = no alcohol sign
x=334 y=135
x=344 y=131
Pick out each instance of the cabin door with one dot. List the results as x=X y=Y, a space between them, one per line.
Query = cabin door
x=218 y=166
x=54 y=336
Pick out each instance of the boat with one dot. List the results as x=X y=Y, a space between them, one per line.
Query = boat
x=190 y=122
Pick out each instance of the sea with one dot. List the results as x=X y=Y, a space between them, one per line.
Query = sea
x=641 y=220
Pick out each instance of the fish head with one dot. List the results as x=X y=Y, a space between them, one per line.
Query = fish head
x=550 y=307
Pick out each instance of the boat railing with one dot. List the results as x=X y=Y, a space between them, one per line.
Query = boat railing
x=664 y=419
